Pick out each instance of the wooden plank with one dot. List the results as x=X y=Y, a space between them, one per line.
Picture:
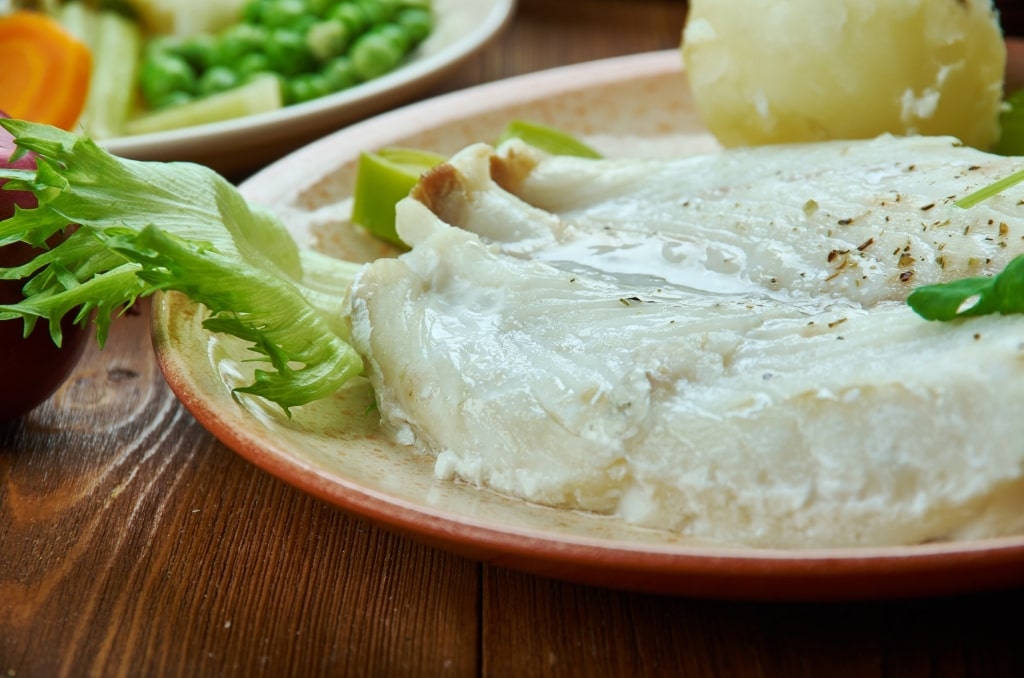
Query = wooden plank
x=130 y=537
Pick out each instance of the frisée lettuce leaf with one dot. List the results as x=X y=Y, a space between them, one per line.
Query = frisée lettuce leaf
x=140 y=227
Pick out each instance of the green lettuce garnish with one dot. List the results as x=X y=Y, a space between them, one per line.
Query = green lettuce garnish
x=147 y=226
x=1002 y=293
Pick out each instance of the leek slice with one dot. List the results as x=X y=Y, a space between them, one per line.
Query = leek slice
x=382 y=179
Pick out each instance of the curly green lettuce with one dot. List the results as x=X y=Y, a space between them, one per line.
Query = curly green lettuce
x=142 y=227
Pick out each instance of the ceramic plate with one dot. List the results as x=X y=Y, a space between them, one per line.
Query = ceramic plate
x=463 y=26
x=335 y=450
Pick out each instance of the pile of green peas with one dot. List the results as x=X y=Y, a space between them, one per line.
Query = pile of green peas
x=314 y=47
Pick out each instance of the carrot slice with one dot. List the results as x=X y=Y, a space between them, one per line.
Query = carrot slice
x=46 y=70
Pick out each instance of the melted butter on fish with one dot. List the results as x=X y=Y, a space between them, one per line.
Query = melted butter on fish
x=716 y=346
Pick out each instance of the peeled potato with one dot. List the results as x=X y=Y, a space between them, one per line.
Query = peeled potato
x=772 y=71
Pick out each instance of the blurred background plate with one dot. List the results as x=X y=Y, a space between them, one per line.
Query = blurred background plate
x=235 y=146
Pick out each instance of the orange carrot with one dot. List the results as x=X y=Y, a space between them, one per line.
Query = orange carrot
x=44 y=70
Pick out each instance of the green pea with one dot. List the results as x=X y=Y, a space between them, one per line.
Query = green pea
x=318 y=85
x=374 y=54
x=237 y=41
x=217 y=79
x=307 y=87
x=378 y=11
x=198 y=50
x=282 y=13
x=396 y=35
x=319 y=8
x=252 y=12
x=170 y=99
x=352 y=16
x=304 y=23
x=163 y=73
x=339 y=73
x=254 y=62
x=417 y=23
x=287 y=53
x=327 y=39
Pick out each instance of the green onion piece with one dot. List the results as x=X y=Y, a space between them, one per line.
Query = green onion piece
x=548 y=139
x=386 y=176
x=992 y=189
x=382 y=179
x=1011 y=142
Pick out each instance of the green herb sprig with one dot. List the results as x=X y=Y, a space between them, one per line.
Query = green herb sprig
x=1002 y=293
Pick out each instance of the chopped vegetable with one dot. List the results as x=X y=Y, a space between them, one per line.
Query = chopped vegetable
x=382 y=179
x=1011 y=142
x=46 y=70
x=547 y=139
x=146 y=226
x=300 y=41
x=386 y=176
x=115 y=42
x=258 y=96
x=986 y=192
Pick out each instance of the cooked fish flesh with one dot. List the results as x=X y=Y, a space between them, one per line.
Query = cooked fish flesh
x=717 y=346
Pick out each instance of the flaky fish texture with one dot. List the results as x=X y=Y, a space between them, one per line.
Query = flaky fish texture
x=716 y=346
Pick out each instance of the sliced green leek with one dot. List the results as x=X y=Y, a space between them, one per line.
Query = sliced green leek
x=386 y=176
x=382 y=179
x=548 y=139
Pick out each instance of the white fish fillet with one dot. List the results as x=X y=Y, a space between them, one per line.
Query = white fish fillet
x=715 y=346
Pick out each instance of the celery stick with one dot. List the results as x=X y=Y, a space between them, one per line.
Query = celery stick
x=116 y=53
x=115 y=42
x=79 y=20
x=258 y=96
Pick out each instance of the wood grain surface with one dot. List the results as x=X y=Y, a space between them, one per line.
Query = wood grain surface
x=132 y=543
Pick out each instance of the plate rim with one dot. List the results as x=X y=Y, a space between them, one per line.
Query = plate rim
x=748 y=573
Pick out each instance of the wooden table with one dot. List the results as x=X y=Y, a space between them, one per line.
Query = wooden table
x=133 y=543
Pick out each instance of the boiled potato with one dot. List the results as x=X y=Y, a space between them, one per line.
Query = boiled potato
x=770 y=71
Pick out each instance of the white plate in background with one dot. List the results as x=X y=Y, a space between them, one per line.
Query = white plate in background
x=462 y=27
